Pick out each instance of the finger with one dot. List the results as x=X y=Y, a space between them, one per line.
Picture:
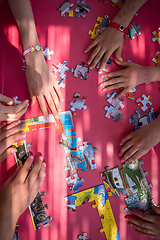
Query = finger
x=124 y=150
x=131 y=158
x=9 y=126
x=13 y=109
x=39 y=180
x=155 y=209
x=114 y=86
x=142 y=229
x=105 y=60
x=96 y=58
x=2 y=125
x=23 y=172
x=144 y=216
x=118 y=53
x=7 y=153
x=126 y=138
x=53 y=102
x=6 y=100
x=93 y=44
x=57 y=88
x=123 y=63
x=122 y=93
x=34 y=172
x=12 y=129
x=32 y=97
x=147 y=234
x=42 y=105
x=113 y=75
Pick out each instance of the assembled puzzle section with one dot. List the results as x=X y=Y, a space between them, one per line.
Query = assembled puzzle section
x=113 y=109
x=130 y=181
x=36 y=208
x=77 y=160
x=99 y=195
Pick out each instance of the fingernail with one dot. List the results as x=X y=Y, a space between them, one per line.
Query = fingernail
x=119 y=154
x=41 y=158
x=16 y=123
x=127 y=218
x=88 y=63
x=24 y=134
x=44 y=175
x=129 y=223
x=101 y=85
x=31 y=157
x=23 y=124
x=44 y=165
x=27 y=101
x=61 y=99
x=57 y=116
x=13 y=151
x=47 y=117
x=104 y=89
x=3 y=124
x=27 y=104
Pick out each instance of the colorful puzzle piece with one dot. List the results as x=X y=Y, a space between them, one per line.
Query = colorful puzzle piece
x=89 y=151
x=79 y=103
x=65 y=7
x=83 y=237
x=61 y=68
x=38 y=122
x=157 y=59
x=81 y=70
x=74 y=183
x=145 y=120
x=116 y=103
x=47 y=53
x=112 y=111
x=156 y=35
x=99 y=195
x=105 y=69
x=15 y=99
x=117 y=3
x=145 y=101
x=136 y=116
x=80 y=9
x=130 y=93
x=133 y=29
x=130 y=180
x=16 y=233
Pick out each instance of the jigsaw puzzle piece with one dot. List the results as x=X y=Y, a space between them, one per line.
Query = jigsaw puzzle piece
x=117 y=3
x=93 y=32
x=79 y=103
x=61 y=68
x=112 y=111
x=83 y=237
x=47 y=53
x=80 y=9
x=157 y=59
x=81 y=70
x=133 y=29
x=130 y=93
x=145 y=101
x=65 y=7
x=89 y=151
x=116 y=103
x=74 y=183
x=156 y=35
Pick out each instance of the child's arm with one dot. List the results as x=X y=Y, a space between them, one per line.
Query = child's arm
x=17 y=193
x=111 y=40
x=129 y=77
x=139 y=142
x=146 y=224
x=8 y=135
x=41 y=82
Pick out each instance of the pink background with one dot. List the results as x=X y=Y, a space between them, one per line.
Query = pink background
x=68 y=37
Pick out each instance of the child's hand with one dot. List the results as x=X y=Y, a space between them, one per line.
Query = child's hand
x=9 y=111
x=140 y=141
x=8 y=135
x=127 y=78
x=146 y=224
x=42 y=83
x=111 y=40
x=17 y=193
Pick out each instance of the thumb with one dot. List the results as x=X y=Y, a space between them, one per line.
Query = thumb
x=32 y=96
x=118 y=53
x=155 y=209
x=6 y=100
x=122 y=63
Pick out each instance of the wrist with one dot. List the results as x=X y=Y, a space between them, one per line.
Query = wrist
x=119 y=27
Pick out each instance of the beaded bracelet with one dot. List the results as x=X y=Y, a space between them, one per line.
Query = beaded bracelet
x=32 y=49
x=118 y=27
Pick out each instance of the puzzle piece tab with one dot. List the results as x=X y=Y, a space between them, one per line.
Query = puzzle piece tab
x=80 y=9
x=145 y=101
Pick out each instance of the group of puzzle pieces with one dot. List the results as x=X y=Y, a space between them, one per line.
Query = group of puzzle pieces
x=156 y=35
x=81 y=9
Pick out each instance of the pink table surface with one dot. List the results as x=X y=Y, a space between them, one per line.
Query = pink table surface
x=68 y=37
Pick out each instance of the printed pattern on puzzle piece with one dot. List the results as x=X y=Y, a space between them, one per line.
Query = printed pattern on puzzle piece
x=65 y=8
x=80 y=9
x=130 y=180
x=157 y=59
x=145 y=101
x=61 y=68
x=156 y=35
x=132 y=31
x=81 y=70
x=74 y=183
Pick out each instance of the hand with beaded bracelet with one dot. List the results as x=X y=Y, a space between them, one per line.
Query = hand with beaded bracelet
x=41 y=82
x=111 y=40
